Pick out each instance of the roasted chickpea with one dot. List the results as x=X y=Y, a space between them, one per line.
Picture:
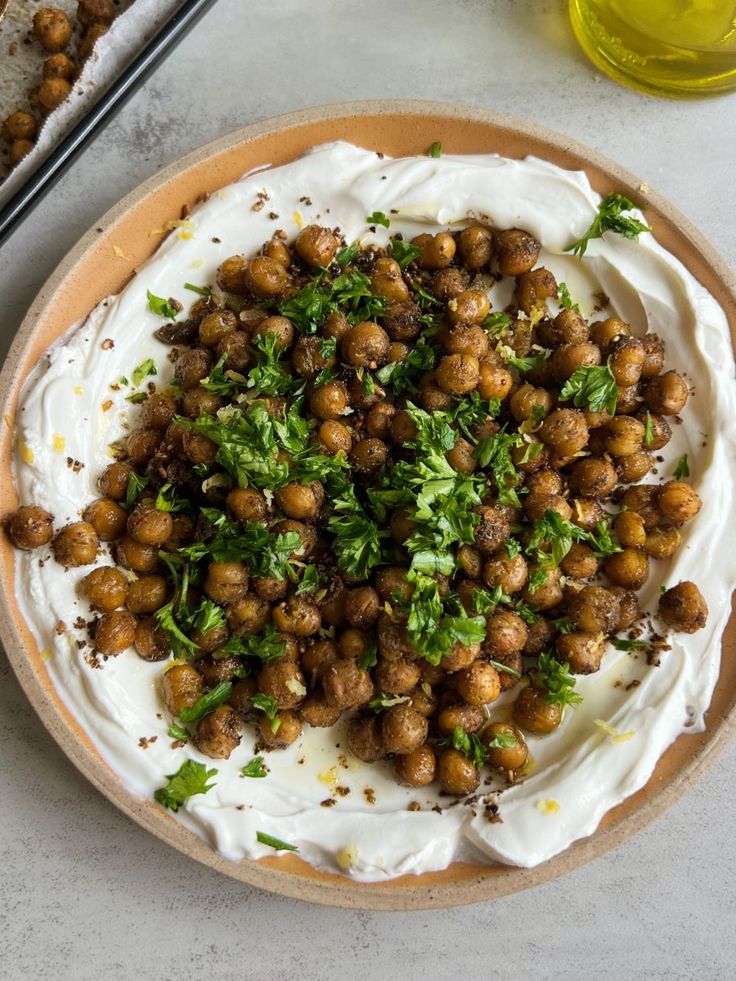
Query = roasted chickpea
x=456 y=774
x=241 y=695
x=517 y=251
x=536 y=505
x=191 y=367
x=306 y=533
x=353 y=642
x=628 y=568
x=403 y=729
x=19 y=126
x=568 y=327
x=151 y=641
x=653 y=355
x=628 y=609
x=218 y=733
x=113 y=481
x=378 y=420
x=475 y=246
x=107 y=518
x=534 y=288
x=623 y=436
x=467 y=338
x=76 y=544
x=606 y=332
x=18 y=150
x=277 y=250
x=532 y=712
x=492 y=530
x=157 y=411
x=231 y=276
x=226 y=582
x=297 y=615
x=666 y=394
x=539 y=636
x=265 y=277
x=567 y=358
x=582 y=651
x=346 y=685
x=458 y=374
x=362 y=606
x=365 y=345
x=114 y=632
x=545 y=482
x=106 y=588
x=478 y=684
x=52 y=92
x=468 y=717
x=629 y=529
x=397 y=677
x=209 y=641
x=248 y=615
x=91 y=36
x=135 y=556
x=30 y=527
x=269 y=588
x=365 y=739
x=469 y=307
x=528 y=400
x=329 y=401
x=52 y=28
x=678 y=501
x=182 y=687
x=508 y=572
x=565 y=431
x=216 y=326
x=661 y=543
x=436 y=251
x=284 y=731
x=368 y=455
x=300 y=501
x=683 y=607
x=142 y=444
x=449 y=282
x=387 y=281
x=308 y=359
x=627 y=359
x=335 y=437
x=235 y=349
x=416 y=768
x=247 y=504
x=284 y=681
x=315 y=711
x=316 y=246
x=548 y=593
x=317 y=657
x=147 y=594
x=199 y=448
x=281 y=328
x=580 y=562
x=148 y=525
x=508 y=755
x=594 y=610
x=91 y=12
x=506 y=632
x=593 y=477
x=402 y=321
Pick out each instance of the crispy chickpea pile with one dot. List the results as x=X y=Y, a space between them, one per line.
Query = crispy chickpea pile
x=366 y=494
x=54 y=33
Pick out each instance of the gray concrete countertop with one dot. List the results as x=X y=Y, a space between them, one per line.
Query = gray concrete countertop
x=86 y=893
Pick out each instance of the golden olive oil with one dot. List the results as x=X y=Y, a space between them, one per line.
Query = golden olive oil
x=680 y=48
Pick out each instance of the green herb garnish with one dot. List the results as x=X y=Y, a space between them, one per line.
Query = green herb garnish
x=468 y=744
x=435 y=150
x=190 y=779
x=558 y=682
x=144 y=369
x=256 y=768
x=136 y=484
x=178 y=732
x=610 y=218
x=648 y=430
x=347 y=255
x=565 y=299
x=404 y=252
x=202 y=290
x=309 y=581
x=592 y=387
x=162 y=307
x=267 y=705
x=207 y=703
x=378 y=218
x=682 y=469
x=623 y=644
x=280 y=846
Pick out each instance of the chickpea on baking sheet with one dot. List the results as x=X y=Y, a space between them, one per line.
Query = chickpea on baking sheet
x=370 y=497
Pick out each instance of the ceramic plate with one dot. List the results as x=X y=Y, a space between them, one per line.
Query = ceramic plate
x=103 y=262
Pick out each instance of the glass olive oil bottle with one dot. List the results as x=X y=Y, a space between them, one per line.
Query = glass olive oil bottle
x=677 y=48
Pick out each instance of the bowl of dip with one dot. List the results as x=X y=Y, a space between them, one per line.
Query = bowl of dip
x=341 y=163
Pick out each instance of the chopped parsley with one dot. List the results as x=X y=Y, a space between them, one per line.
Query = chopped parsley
x=269 y=376
x=144 y=369
x=558 y=682
x=207 y=703
x=468 y=744
x=622 y=644
x=435 y=150
x=502 y=740
x=280 y=846
x=350 y=293
x=497 y=324
x=266 y=646
x=347 y=255
x=136 y=484
x=309 y=581
x=648 y=430
x=161 y=306
x=221 y=381
x=267 y=705
x=369 y=659
x=592 y=387
x=682 y=469
x=256 y=768
x=404 y=252
x=202 y=290
x=190 y=779
x=565 y=299
x=178 y=732
x=169 y=499
x=358 y=539
x=504 y=668
x=266 y=554
x=403 y=375
x=378 y=218
x=610 y=218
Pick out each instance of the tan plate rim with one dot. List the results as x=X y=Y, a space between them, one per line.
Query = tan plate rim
x=288 y=875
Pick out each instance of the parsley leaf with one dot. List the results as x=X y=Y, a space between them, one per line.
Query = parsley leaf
x=622 y=644
x=207 y=703
x=280 y=846
x=468 y=744
x=565 y=625
x=347 y=255
x=485 y=602
x=404 y=252
x=497 y=324
x=178 y=732
x=435 y=624
x=136 y=484
x=648 y=430
x=269 y=376
x=593 y=387
x=202 y=290
x=378 y=218
x=558 y=681
x=682 y=469
x=161 y=306
x=610 y=218
x=556 y=532
x=602 y=541
x=369 y=659
x=266 y=646
x=310 y=581
x=435 y=150
x=505 y=669
x=267 y=705
x=565 y=299
x=168 y=499
x=358 y=539
x=266 y=554
x=473 y=411
x=221 y=381
x=190 y=779
x=256 y=768
x=502 y=740
x=495 y=452
x=208 y=616
x=144 y=369
x=403 y=375
x=529 y=363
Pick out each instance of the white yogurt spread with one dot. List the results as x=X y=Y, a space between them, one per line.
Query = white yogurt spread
x=69 y=412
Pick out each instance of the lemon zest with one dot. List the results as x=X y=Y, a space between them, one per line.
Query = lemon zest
x=298 y=219
x=59 y=443
x=347 y=856
x=547 y=807
x=119 y=254
x=26 y=452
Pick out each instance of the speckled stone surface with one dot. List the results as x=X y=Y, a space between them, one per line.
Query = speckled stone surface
x=89 y=895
